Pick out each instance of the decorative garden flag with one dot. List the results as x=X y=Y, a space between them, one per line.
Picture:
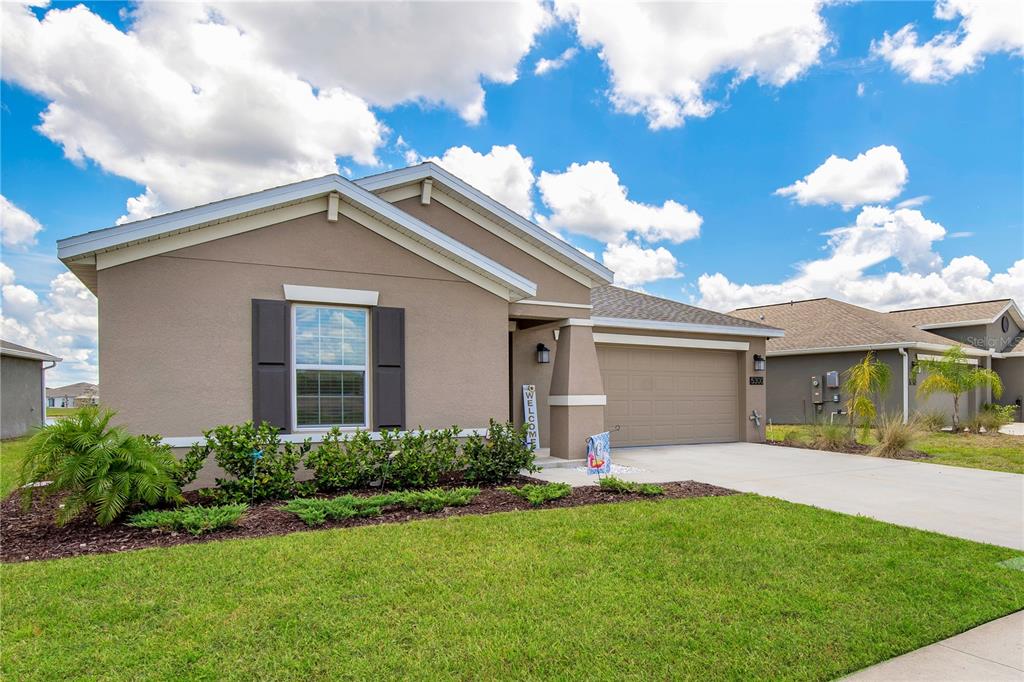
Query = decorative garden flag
x=599 y=454
x=530 y=416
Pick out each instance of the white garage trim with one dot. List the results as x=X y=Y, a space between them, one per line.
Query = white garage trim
x=668 y=341
x=573 y=400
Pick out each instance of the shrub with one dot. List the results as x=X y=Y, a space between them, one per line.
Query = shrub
x=893 y=435
x=420 y=458
x=263 y=467
x=992 y=417
x=500 y=456
x=617 y=485
x=537 y=495
x=194 y=520
x=101 y=467
x=185 y=469
x=341 y=462
x=933 y=420
x=830 y=437
x=314 y=512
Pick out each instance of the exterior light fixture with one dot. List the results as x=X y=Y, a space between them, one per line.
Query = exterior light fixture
x=758 y=363
x=543 y=354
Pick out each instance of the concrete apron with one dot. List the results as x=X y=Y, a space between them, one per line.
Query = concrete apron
x=979 y=505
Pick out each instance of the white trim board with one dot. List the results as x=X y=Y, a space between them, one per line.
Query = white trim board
x=659 y=325
x=29 y=355
x=360 y=297
x=576 y=400
x=937 y=358
x=314 y=436
x=913 y=345
x=555 y=304
x=669 y=342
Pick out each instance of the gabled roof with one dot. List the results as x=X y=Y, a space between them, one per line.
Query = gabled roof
x=73 y=390
x=615 y=306
x=960 y=314
x=77 y=251
x=827 y=325
x=15 y=351
x=561 y=251
x=1015 y=348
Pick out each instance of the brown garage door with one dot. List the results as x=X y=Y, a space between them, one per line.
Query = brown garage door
x=660 y=396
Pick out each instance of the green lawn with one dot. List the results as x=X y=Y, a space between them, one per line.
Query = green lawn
x=60 y=411
x=11 y=453
x=994 y=451
x=732 y=587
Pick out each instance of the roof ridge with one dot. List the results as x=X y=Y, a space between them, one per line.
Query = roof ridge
x=951 y=305
x=773 y=305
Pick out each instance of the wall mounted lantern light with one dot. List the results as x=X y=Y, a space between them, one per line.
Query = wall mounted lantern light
x=758 y=363
x=543 y=354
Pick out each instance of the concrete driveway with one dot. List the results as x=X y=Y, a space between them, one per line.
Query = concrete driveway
x=986 y=506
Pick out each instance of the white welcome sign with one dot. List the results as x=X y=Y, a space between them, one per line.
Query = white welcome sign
x=530 y=416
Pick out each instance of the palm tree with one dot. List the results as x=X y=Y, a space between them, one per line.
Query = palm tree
x=867 y=378
x=954 y=375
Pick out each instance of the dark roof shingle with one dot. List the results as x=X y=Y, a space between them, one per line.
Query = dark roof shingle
x=961 y=312
x=613 y=301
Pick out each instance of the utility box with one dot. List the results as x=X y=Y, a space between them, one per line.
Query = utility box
x=816 y=390
x=832 y=379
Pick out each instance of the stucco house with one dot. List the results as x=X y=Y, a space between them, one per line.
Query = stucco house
x=403 y=299
x=73 y=395
x=22 y=384
x=825 y=337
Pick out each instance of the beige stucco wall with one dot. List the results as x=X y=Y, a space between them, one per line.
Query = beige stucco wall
x=175 y=329
x=552 y=285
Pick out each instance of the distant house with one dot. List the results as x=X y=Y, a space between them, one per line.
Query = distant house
x=825 y=337
x=73 y=395
x=22 y=381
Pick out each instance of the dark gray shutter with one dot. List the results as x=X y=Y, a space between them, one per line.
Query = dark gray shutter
x=271 y=385
x=388 y=368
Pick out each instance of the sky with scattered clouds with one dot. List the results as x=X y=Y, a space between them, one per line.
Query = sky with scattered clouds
x=722 y=154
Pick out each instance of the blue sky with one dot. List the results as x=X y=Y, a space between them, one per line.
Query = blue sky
x=956 y=131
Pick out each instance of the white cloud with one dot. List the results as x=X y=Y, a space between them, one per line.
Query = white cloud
x=185 y=104
x=17 y=228
x=502 y=174
x=913 y=202
x=662 y=57
x=63 y=322
x=879 y=235
x=959 y=235
x=878 y=174
x=860 y=89
x=635 y=265
x=590 y=200
x=389 y=53
x=544 y=65
x=985 y=28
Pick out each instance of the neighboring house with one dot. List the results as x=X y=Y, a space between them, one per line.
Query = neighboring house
x=824 y=338
x=401 y=300
x=996 y=326
x=22 y=382
x=73 y=395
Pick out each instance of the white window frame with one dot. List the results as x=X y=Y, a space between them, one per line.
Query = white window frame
x=295 y=367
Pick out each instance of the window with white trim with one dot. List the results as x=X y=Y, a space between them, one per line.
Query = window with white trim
x=331 y=355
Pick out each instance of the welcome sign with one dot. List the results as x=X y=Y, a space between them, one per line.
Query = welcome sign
x=530 y=415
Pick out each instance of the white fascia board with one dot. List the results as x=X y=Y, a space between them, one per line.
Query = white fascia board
x=29 y=355
x=577 y=400
x=658 y=325
x=1004 y=356
x=424 y=170
x=913 y=345
x=925 y=356
x=555 y=304
x=670 y=342
x=313 y=436
x=361 y=297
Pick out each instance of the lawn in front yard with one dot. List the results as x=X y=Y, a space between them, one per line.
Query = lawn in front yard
x=719 y=587
x=12 y=451
x=993 y=451
x=60 y=411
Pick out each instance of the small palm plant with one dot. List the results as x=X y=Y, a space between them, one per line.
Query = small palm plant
x=100 y=466
x=865 y=382
x=953 y=374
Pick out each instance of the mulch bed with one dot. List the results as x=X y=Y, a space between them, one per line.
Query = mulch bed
x=32 y=535
x=857 y=449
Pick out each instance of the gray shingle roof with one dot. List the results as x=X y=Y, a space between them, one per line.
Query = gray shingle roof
x=612 y=301
x=1015 y=346
x=827 y=323
x=961 y=312
x=73 y=390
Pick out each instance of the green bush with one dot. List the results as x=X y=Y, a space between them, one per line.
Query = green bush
x=344 y=462
x=992 y=417
x=617 y=485
x=262 y=466
x=500 y=456
x=314 y=512
x=831 y=437
x=893 y=435
x=421 y=458
x=932 y=420
x=185 y=469
x=194 y=520
x=537 y=495
x=99 y=466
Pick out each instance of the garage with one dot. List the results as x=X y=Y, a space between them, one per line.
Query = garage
x=661 y=395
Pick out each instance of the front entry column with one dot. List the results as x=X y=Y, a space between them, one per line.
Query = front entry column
x=576 y=398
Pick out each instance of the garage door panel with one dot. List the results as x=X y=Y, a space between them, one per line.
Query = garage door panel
x=670 y=395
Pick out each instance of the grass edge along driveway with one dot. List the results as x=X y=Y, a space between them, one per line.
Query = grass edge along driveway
x=738 y=587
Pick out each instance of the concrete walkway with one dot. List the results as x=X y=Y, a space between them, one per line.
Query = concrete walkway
x=993 y=651
x=1014 y=429
x=986 y=506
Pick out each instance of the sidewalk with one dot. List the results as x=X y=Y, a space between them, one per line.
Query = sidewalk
x=993 y=651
